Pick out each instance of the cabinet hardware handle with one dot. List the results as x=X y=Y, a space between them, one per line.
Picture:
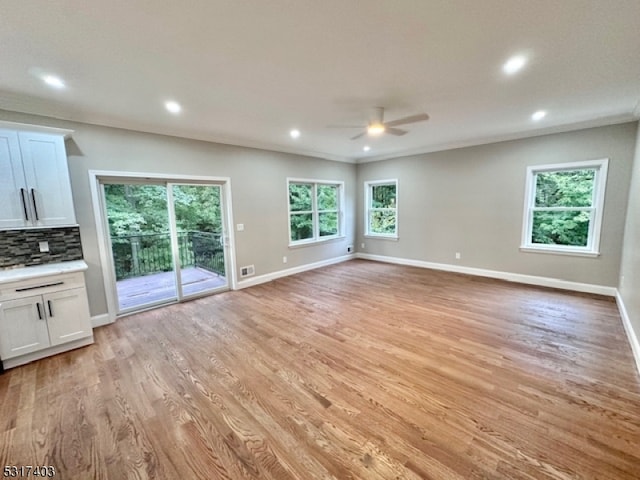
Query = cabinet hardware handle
x=35 y=206
x=39 y=286
x=24 y=204
x=39 y=312
x=50 y=310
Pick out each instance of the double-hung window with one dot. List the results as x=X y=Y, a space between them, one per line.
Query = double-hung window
x=563 y=207
x=381 y=200
x=315 y=210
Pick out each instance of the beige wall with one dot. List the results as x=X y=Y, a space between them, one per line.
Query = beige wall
x=630 y=268
x=471 y=200
x=258 y=184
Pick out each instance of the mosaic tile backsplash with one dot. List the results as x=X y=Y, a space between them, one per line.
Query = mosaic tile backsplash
x=21 y=248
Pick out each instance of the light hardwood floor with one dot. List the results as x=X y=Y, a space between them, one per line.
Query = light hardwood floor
x=359 y=370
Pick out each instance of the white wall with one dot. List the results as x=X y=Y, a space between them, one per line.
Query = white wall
x=470 y=200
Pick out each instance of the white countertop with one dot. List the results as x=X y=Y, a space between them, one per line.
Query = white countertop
x=24 y=273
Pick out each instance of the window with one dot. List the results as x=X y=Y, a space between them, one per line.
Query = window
x=315 y=211
x=382 y=215
x=563 y=207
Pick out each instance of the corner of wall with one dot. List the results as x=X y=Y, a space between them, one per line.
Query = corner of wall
x=628 y=328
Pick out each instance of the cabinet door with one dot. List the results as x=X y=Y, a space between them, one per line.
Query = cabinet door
x=68 y=314
x=23 y=329
x=47 y=175
x=15 y=211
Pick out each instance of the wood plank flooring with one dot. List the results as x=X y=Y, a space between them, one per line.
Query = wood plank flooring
x=360 y=370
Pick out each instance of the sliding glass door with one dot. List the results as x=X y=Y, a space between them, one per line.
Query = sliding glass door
x=167 y=241
x=200 y=238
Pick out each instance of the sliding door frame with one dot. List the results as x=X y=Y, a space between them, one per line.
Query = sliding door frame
x=96 y=180
x=174 y=239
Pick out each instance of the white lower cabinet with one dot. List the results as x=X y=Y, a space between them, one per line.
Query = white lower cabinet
x=67 y=315
x=23 y=330
x=41 y=324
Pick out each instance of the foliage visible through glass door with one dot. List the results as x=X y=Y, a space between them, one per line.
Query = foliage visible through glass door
x=141 y=244
x=198 y=214
x=142 y=247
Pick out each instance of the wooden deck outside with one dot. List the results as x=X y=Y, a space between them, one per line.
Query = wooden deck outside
x=137 y=291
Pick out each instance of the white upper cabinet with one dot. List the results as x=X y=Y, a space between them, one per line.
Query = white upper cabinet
x=35 y=190
x=14 y=211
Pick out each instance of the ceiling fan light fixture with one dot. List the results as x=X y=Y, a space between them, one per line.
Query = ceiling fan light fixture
x=375 y=129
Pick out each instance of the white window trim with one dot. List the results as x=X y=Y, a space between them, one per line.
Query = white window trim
x=315 y=212
x=592 y=249
x=367 y=209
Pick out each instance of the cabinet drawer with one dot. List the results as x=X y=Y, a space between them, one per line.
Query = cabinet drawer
x=41 y=285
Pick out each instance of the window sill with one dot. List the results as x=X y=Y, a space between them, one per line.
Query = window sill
x=556 y=251
x=393 y=238
x=311 y=243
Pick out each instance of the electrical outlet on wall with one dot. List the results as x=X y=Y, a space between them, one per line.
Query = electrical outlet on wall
x=247 y=271
x=284 y=259
x=44 y=247
x=458 y=256
x=362 y=245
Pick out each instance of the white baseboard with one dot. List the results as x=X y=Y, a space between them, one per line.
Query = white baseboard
x=100 y=320
x=631 y=334
x=250 y=282
x=511 y=277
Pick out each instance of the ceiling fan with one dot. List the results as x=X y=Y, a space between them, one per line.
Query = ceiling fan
x=377 y=125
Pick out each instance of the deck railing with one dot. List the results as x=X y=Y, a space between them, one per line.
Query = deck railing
x=136 y=255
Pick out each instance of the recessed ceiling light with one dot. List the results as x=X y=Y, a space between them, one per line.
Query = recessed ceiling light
x=366 y=148
x=514 y=64
x=173 y=107
x=53 y=81
x=539 y=115
x=295 y=133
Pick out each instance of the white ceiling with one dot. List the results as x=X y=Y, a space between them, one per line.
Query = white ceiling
x=247 y=71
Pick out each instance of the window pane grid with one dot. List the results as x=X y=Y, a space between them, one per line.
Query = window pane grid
x=314 y=211
x=564 y=207
x=381 y=213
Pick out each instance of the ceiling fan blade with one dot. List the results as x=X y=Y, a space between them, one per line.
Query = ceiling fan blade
x=395 y=131
x=359 y=135
x=346 y=126
x=405 y=120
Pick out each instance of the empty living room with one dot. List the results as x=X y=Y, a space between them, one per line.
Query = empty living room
x=320 y=240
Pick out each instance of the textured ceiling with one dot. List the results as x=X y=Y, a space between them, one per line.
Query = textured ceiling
x=246 y=72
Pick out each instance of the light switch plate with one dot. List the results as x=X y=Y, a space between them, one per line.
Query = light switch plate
x=44 y=247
